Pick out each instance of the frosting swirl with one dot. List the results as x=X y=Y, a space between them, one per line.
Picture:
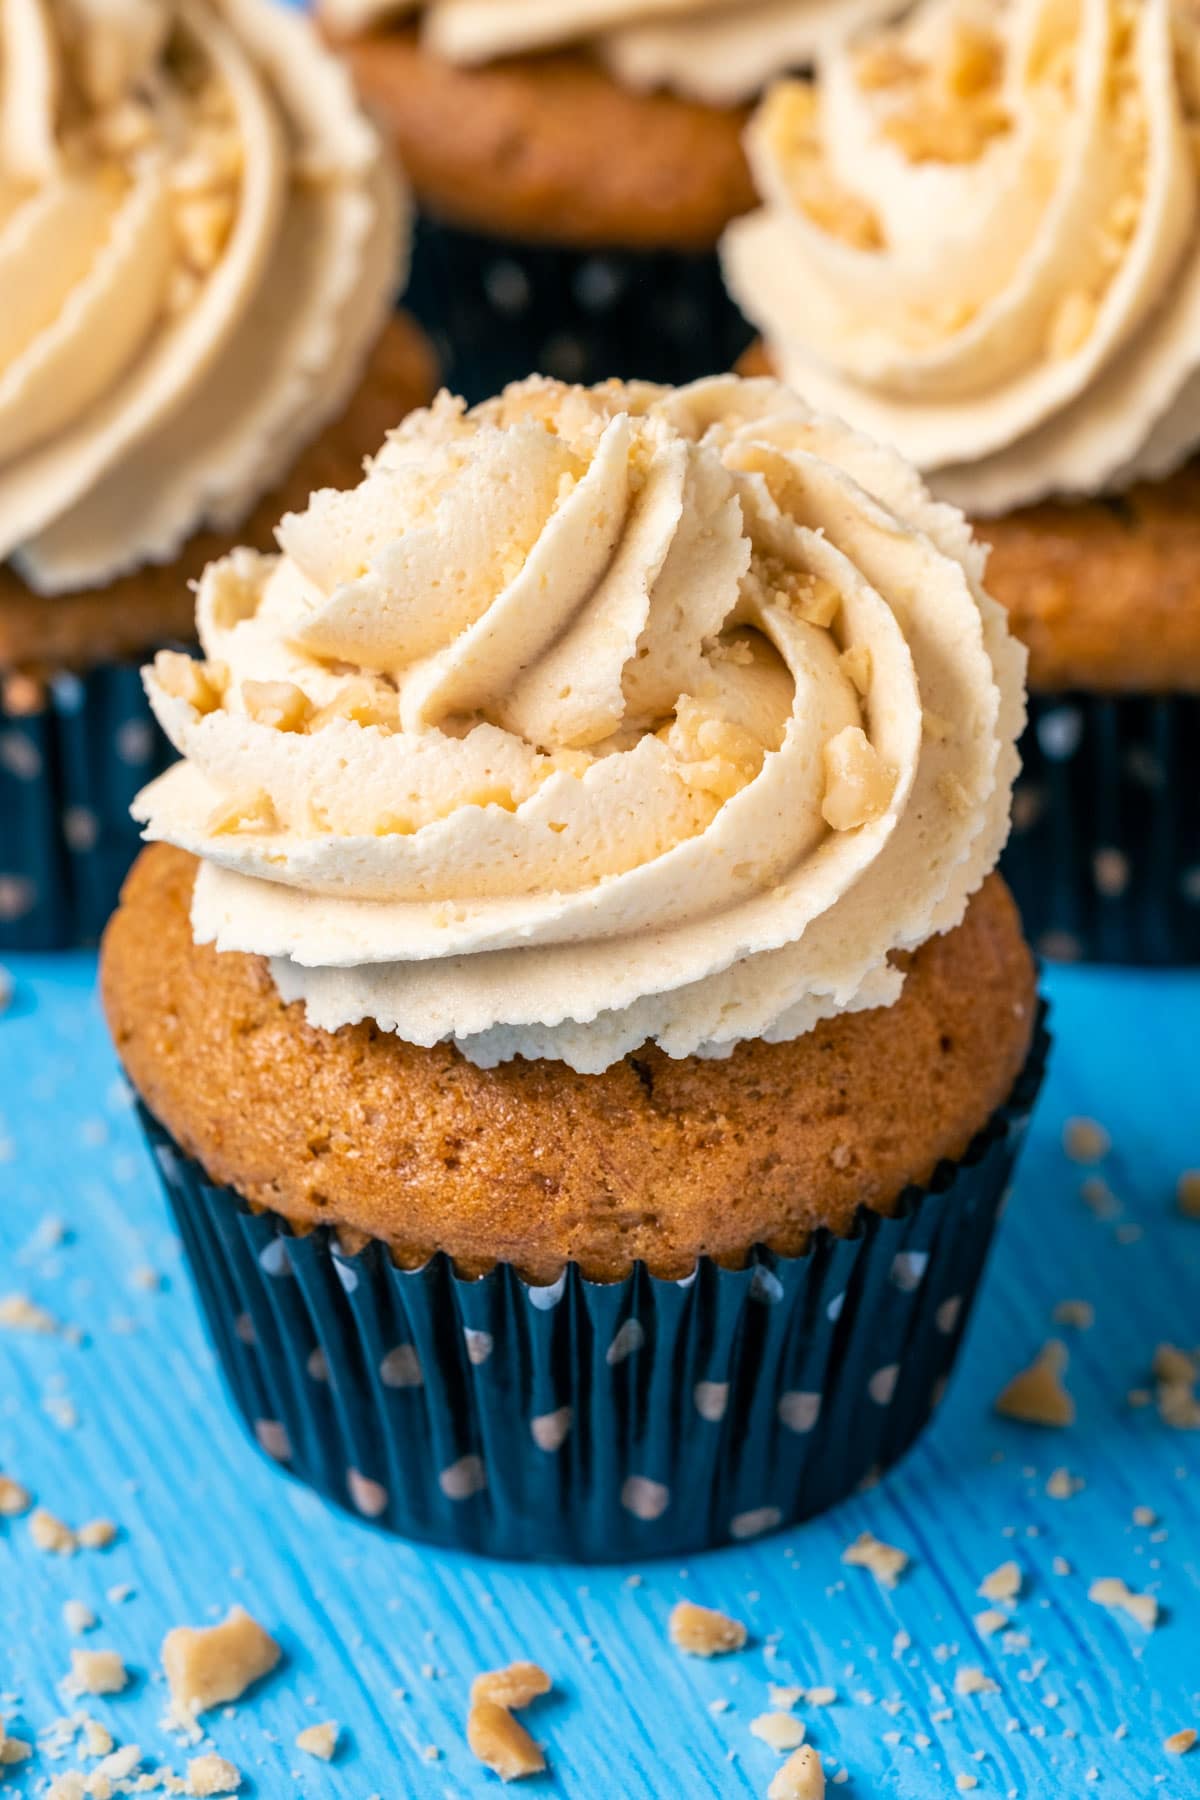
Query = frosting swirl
x=718 y=51
x=593 y=716
x=199 y=240
x=981 y=242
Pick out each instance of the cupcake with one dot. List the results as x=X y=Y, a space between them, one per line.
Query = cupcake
x=200 y=243
x=574 y=165
x=583 y=1038
x=980 y=241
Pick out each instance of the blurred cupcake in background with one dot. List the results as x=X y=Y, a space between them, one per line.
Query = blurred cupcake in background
x=631 y=1040
x=201 y=241
x=574 y=163
x=980 y=241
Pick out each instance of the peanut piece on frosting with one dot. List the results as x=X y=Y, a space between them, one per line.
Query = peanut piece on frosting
x=801 y=1777
x=255 y=812
x=701 y=1631
x=362 y=703
x=856 y=665
x=280 y=704
x=202 y=225
x=515 y=1686
x=185 y=678
x=858 y=784
x=206 y=1666
x=501 y=1743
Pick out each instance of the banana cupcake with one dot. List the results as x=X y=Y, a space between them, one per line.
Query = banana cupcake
x=574 y=163
x=201 y=240
x=980 y=241
x=583 y=1038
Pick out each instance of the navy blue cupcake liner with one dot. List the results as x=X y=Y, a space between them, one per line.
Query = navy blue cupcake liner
x=1104 y=856
x=74 y=750
x=499 y=310
x=589 y=1421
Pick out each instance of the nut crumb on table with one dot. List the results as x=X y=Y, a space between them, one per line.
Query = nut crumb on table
x=781 y=1730
x=1086 y=1140
x=501 y=1743
x=18 y=1313
x=1111 y=1592
x=1037 y=1396
x=14 y=1499
x=320 y=1740
x=513 y=1687
x=1003 y=1583
x=212 y=1774
x=207 y=1665
x=702 y=1631
x=1180 y=1742
x=95 y=1672
x=885 y=1561
x=801 y=1777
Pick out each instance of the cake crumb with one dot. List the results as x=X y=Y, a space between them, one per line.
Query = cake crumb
x=1110 y=1591
x=702 y=1631
x=513 y=1687
x=964 y=1783
x=1180 y=1742
x=801 y=1777
x=212 y=1774
x=885 y=1561
x=1079 y=1313
x=18 y=1313
x=501 y=1743
x=1085 y=1140
x=1187 y=1194
x=783 y=1699
x=1036 y=1396
x=207 y=1665
x=781 y=1730
x=320 y=1740
x=1003 y=1583
x=972 y=1680
x=77 y=1617
x=97 y=1534
x=14 y=1499
x=95 y=1672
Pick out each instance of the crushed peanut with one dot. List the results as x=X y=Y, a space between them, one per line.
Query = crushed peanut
x=97 y=1534
x=252 y=812
x=14 y=1499
x=1062 y=1485
x=207 y=1665
x=1144 y=1515
x=784 y=1698
x=885 y=1561
x=701 y=1631
x=1180 y=1742
x=973 y=1681
x=992 y=1620
x=1003 y=1583
x=18 y=1313
x=780 y=1730
x=279 y=704
x=801 y=1777
x=50 y=1534
x=1085 y=1140
x=858 y=783
x=789 y=121
x=77 y=1617
x=320 y=1740
x=95 y=1672
x=1079 y=1313
x=515 y=1686
x=1111 y=1591
x=821 y=1696
x=183 y=677
x=1187 y=1194
x=1037 y=1396
x=855 y=664
x=212 y=1774
x=501 y=1743
x=1175 y=1377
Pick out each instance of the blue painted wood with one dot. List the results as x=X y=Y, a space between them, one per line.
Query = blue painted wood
x=385 y=1637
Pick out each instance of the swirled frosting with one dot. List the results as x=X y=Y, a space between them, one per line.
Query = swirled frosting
x=199 y=240
x=595 y=716
x=981 y=242
x=718 y=51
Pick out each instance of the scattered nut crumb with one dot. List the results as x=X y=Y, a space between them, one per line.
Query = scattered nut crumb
x=1111 y=1591
x=14 y=1499
x=1003 y=1583
x=97 y=1534
x=212 y=1774
x=784 y=1698
x=991 y=1621
x=974 y=1681
x=827 y=1696
x=701 y=1631
x=1180 y=1742
x=1144 y=1515
x=18 y=1313
x=778 y=1729
x=1037 y=1396
x=1079 y=1313
x=964 y=1783
x=77 y=1617
x=207 y=1665
x=885 y=1561
x=800 y=1778
x=513 y=1687
x=319 y=1740
x=95 y=1672
x=1175 y=1376
x=50 y=1534
x=1086 y=1141
x=1187 y=1194
x=501 y=1743
x=1062 y=1485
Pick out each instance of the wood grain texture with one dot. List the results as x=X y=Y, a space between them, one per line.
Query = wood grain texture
x=385 y=1637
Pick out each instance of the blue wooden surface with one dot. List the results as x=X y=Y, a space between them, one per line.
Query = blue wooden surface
x=384 y=1637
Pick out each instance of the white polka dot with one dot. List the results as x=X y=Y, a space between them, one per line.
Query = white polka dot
x=479 y=1345
x=318 y=1365
x=68 y=693
x=17 y=897
x=833 y=1311
x=167 y=1161
x=687 y=1281
x=369 y=1497
x=1060 y=732
x=507 y=287
x=644 y=1498
x=629 y=1338
x=549 y=1430
x=81 y=829
x=799 y=1410
x=20 y=756
x=273 y=1438
x=346 y=1274
x=273 y=1258
x=711 y=1398
x=1190 y=885
x=753 y=1524
x=598 y=284
x=544 y=1298
x=882 y=1385
x=908 y=1270
x=1111 y=872
x=134 y=742
x=243 y=1327
x=765 y=1287
x=946 y=1317
x=401 y=1368
x=462 y=1479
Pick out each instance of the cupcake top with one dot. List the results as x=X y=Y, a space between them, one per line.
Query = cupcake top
x=719 y=51
x=199 y=241
x=595 y=716
x=981 y=242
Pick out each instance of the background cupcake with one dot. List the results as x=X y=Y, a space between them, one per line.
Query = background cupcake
x=200 y=242
x=980 y=240
x=627 y=1079
x=574 y=165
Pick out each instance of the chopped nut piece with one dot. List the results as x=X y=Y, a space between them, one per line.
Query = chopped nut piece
x=974 y=1681
x=1079 y=1313
x=1111 y=1591
x=992 y=1620
x=13 y=1750
x=51 y=1535
x=858 y=783
x=1144 y=1515
x=207 y=1665
x=319 y=1740
x=18 y=1313
x=885 y=1561
x=821 y=1696
x=1187 y=1194
x=97 y=1534
x=360 y=702
x=778 y=1729
x=1062 y=1485
x=280 y=704
x=186 y=678
x=97 y=1739
x=515 y=1686
x=1003 y=1583
x=1037 y=1396
x=1175 y=1376
x=1180 y=1742
x=700 y=1631
x=95 y=1672
x=801 y=1777
x=14 y=1499
x=856 y=665
x=78 y=1617
x=501 y=1743
x=202 y=226
x=253 y=812
x=784 y=1698
x=1085 y=1141
x=965 y=1783
x=212 y=1774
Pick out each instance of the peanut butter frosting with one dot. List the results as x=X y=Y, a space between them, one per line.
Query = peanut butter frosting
x=717 y=51
x=980 y=242
x=594 y=716
x=200 y=239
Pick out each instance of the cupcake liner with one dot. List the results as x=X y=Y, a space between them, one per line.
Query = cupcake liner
x=74 y=750
x=1104 y=856
x=593 y=1421
x=499 y=310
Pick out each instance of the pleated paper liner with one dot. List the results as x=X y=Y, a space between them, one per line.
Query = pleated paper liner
x=498 y=311
x=589 y=1421
x=74 y=750
x=1104 y=857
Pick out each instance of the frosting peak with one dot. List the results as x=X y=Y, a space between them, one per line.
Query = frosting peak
x=199 y=240
x=592 y=716
x=981 y=242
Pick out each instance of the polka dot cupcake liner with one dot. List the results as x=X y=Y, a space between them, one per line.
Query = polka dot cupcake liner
x=1104 y=856
x=498 y=311
x=74 y=750
x=587 y=1421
